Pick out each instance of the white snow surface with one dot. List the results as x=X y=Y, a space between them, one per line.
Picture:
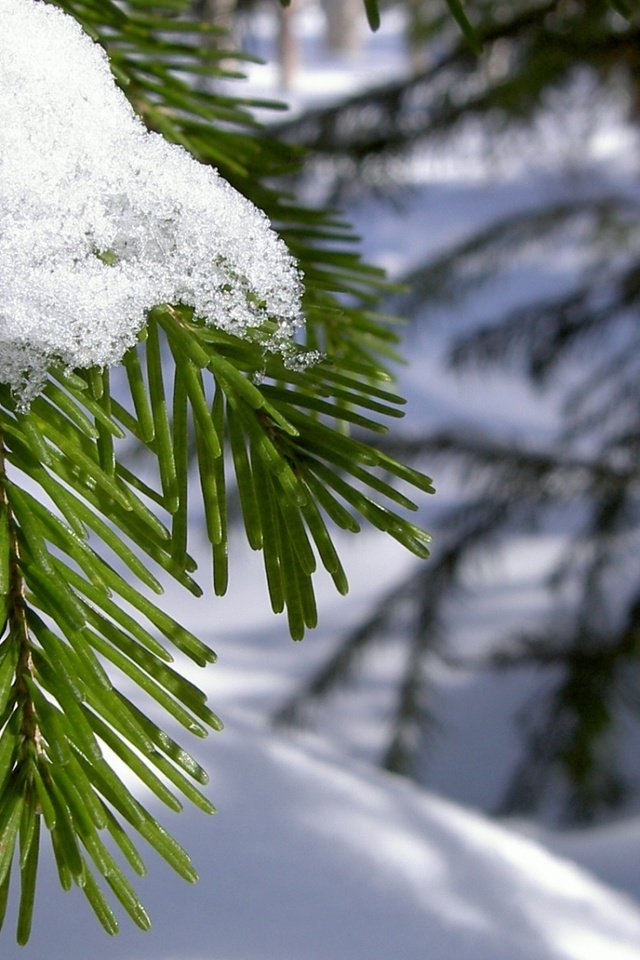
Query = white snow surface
x=101 y=220
x=313 y=858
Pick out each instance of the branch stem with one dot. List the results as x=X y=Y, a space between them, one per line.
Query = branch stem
x=18 y=628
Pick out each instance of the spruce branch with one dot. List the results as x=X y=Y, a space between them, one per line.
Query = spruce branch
x=84 y=540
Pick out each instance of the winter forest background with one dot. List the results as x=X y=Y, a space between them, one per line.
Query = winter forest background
x=500 y=677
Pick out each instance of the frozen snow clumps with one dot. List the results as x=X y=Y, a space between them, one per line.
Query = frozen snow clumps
x=101 y=220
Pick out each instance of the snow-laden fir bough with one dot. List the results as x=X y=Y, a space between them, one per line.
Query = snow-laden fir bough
x=101 y=220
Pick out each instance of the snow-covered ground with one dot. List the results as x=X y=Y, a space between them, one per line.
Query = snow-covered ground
x=314 y=853
x=313 y=857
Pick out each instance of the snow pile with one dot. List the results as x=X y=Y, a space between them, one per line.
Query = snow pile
x=101 y=220
x=315 y=858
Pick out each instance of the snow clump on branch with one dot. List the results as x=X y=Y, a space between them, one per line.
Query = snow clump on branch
x=101 y=220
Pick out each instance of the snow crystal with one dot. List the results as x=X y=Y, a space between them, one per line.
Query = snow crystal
x=101 y=220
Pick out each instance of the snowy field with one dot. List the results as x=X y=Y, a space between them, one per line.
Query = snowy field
x=314 y=853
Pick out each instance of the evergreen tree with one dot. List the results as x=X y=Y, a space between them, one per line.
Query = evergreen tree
x=582 y=341
x=264 y=399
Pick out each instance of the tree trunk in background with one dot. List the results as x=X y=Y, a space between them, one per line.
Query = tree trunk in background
x=287 y=46
x=344 y=25
x=219 y=12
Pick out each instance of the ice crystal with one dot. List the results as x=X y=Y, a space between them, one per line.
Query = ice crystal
x=101 y=220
